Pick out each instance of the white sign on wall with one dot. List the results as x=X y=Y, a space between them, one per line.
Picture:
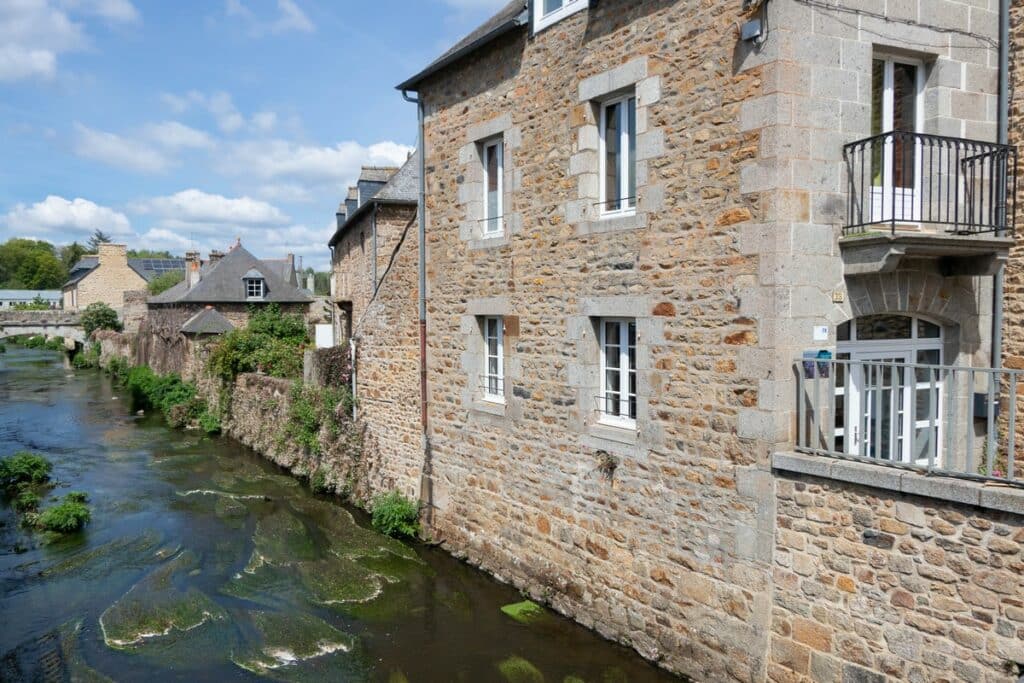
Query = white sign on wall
x=324 y=336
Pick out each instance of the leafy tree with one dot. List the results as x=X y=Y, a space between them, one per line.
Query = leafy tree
x=99 y=316
x=70 y=254
x=98 y=237
x=30 y=264
x=150 y=253
x=161 y=283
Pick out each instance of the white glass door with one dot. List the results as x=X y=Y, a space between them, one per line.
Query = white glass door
x=880 y=396
x=896 y=107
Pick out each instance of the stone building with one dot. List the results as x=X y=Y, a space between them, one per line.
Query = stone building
x=107 y=275
x=215 y=296
x=374 y=288
x=709 y=331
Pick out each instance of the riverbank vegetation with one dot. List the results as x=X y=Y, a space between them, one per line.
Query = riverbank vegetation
x=38 y=341
x=99 y=316
x=25 y=480
x=395 y=515
x=272 y=343
x=172 y=396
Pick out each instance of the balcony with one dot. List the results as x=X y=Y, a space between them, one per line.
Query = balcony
x=936 y=419
x=913 y=196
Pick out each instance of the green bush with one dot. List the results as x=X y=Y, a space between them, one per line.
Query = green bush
x=88 y=357
x=169 y=394
x=3 y=348
x=24 y=468
x=272 y=342
x=37 y=304
x=65 y=517
x=99 y=316
x=161 y=283
x=209 y=422
x=77 y=497
x=26 y=501
x=318 y=482
x=118 y=368
x=395 y=515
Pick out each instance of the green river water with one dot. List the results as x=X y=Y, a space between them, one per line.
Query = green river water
x=203 y=562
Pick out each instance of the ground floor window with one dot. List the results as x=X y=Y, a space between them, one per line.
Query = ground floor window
x=494 y=364
x=617 y=402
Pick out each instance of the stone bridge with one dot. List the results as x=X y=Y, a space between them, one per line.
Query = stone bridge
x=46 y=323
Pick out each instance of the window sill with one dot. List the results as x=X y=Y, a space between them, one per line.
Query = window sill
x=614 y=432
x=487 y=407
x=613 y=223
x=489 y=241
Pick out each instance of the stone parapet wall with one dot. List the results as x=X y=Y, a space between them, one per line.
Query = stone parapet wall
x=113 y=345
x=875 y=585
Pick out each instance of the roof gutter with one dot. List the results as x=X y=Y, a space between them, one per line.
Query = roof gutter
x=521 y=19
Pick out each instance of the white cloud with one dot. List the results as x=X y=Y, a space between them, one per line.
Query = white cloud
x=176 y=135
x=56 y=214
x=34 y=33
x=18 y=62
x=277 y=160
x=121 y=11
x=195 y=209
x=290 y=17
x=117 y=151
x=264 y=121
x=221 y=107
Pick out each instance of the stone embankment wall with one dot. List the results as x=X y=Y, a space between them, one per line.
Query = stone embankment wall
x=870 y=584
x=114 y=345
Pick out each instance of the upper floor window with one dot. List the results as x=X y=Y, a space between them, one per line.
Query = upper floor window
x=617 y=402
x=618 y=155
x=254 y=288
x=548 y=12
x=494 y=181
x=494 y=363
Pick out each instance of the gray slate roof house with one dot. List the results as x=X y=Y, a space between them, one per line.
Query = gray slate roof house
x=401 y=188
x=147 y=268
x=224 y=281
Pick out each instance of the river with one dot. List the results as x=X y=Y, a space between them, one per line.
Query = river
x=203 y=562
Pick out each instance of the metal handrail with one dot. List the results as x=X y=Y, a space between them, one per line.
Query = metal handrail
x=899 y=177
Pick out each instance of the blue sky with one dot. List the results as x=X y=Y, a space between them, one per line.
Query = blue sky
x=189 y=123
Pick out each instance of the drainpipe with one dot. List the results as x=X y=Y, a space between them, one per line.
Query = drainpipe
x=1004 y=136
x=426 y=487
x=373 y=244
x=352 y=360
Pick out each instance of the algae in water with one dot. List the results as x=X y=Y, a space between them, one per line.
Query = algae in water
x=518 y=670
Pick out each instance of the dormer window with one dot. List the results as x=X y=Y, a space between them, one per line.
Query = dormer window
x=548 y=12
x=255 y=286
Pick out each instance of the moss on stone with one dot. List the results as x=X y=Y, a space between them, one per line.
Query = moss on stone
x=518 y=670
x=525 y=612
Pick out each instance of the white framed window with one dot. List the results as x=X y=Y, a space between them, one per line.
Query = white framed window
x=548 y=12
x=618 y=156
x=617 y=402
x=494 y=361
x=494 y=186
x=254 y=288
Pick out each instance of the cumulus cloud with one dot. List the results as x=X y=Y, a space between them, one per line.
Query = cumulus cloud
x=34 y=33
x=59 y=215
x=282 y=160
x=117 y=151
x=176 y=135
x=290 y=17
x=221 y=107
x=195 y=209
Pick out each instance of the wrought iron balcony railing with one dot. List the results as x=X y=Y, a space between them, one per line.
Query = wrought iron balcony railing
x=908 y=179
x=957 y=421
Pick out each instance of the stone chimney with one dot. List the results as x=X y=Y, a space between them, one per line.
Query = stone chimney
x=215 y=256
x=341 y=215
x=293 y=277
x=113 y=254
x=192 y=268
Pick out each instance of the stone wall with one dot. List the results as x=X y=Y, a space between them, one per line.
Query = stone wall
x=872 y=585
x=114 y=345
x=135 y=310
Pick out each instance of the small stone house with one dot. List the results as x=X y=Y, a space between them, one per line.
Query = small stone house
x=108 y=274
x=216 y=296
x=710 y=364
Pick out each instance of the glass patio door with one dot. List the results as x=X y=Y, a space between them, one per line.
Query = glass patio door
x=896 y=107
x=880 y=396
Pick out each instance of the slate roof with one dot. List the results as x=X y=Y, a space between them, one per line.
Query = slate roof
x=511 y=16
x=377 y=174
x=207 y=321
x=147 y=268
x=222 y=282
x=402 y=188
x=29 y=294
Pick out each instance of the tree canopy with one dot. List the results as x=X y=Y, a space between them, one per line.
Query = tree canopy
x=30 y=264
x=150 y=253
x=98 y=237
